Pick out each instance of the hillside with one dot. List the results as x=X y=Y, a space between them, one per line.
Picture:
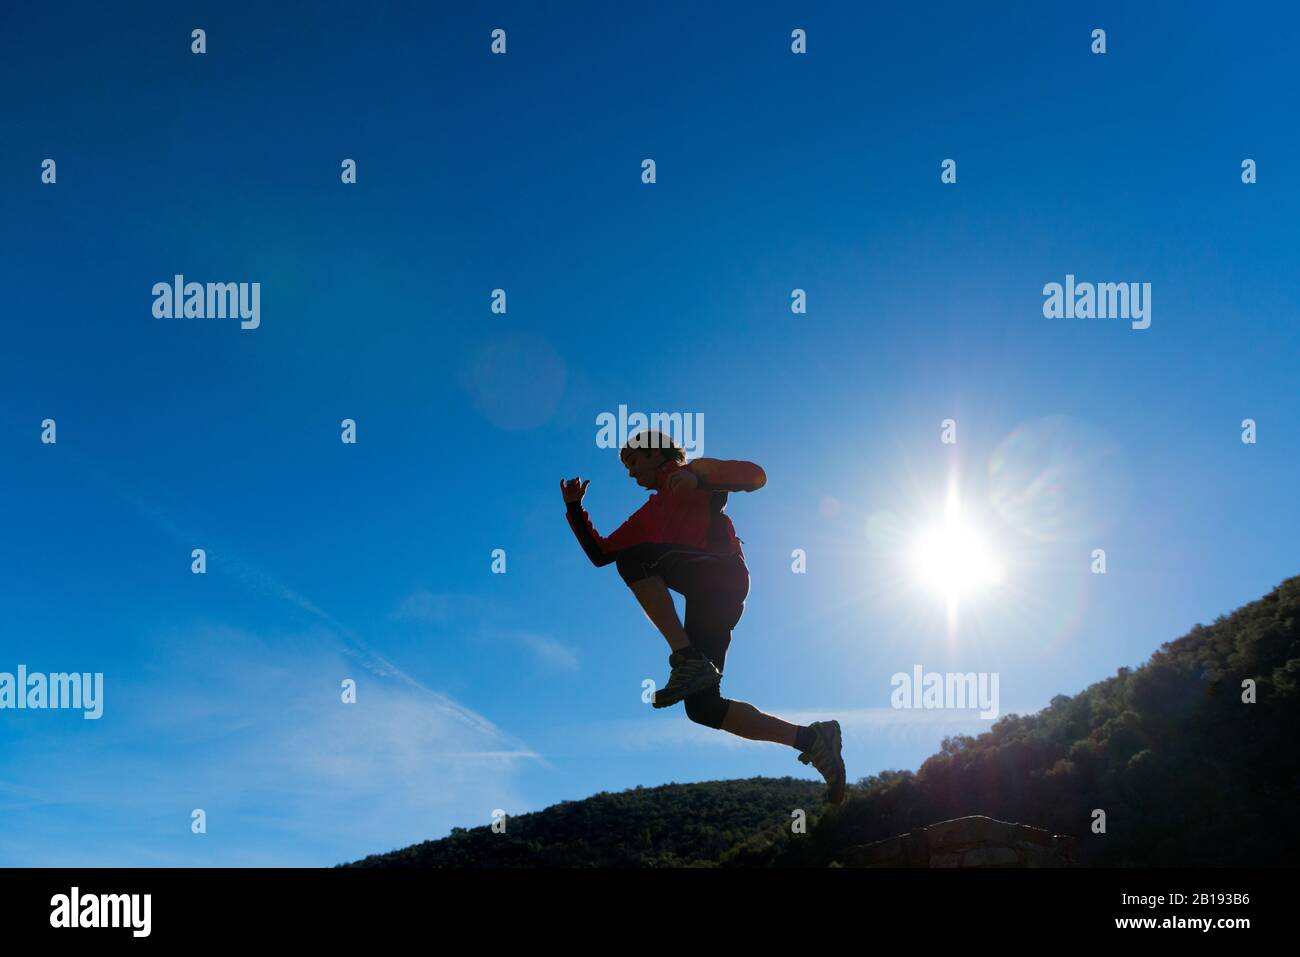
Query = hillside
x=675 y=825
x=1186 y=773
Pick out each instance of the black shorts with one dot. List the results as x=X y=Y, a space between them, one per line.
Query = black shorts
x=714 y=585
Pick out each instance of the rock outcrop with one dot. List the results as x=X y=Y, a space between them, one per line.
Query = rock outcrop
x=975 y=841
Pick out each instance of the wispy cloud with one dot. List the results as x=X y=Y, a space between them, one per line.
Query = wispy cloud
x=253 y=730
x=546 y=650
x=476 y=617
x=255 y=733
x=342 y=638
x=659 y=731
x=425 y=607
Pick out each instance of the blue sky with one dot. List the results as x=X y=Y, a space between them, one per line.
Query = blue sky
x=775 y=171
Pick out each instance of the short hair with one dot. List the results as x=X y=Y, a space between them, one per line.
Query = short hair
x=654 y=439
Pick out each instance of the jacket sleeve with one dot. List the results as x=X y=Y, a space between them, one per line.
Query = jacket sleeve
x=603 y=551
x=722 y=475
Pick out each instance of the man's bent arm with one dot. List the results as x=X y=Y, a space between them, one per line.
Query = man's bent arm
x=601 y=551
x=725 y=475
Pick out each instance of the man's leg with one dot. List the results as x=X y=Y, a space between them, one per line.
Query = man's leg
x=658 y=606
x=715 y=600
x=650 y=571
x=715 y=591
x=744 y=720
x=818 y=744
x=642 y=568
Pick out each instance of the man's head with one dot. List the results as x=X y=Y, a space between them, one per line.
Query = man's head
x=646 y=452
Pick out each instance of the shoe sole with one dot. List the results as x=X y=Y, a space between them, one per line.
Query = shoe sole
x=836 y=793
x=708 y=682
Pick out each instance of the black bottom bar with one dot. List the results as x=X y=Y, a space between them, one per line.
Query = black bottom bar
x=336 y=905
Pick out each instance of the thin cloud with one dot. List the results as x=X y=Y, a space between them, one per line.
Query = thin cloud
x=668 y=731
x=254 y=732
x=430 y=608
x=257 y=580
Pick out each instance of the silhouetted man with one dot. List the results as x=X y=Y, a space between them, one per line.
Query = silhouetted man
x=681 y=539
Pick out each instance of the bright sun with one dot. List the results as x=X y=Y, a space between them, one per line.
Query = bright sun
x=952 y=558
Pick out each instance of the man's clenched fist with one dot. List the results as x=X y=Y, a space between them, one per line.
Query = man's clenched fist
x=683 y=479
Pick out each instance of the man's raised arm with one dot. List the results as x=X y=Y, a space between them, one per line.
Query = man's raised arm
x=601 y=551
x=728 y=475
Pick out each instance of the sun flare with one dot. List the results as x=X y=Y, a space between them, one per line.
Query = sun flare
x=953 y=558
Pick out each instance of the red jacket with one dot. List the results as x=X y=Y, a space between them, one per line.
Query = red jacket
x=692 y=517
